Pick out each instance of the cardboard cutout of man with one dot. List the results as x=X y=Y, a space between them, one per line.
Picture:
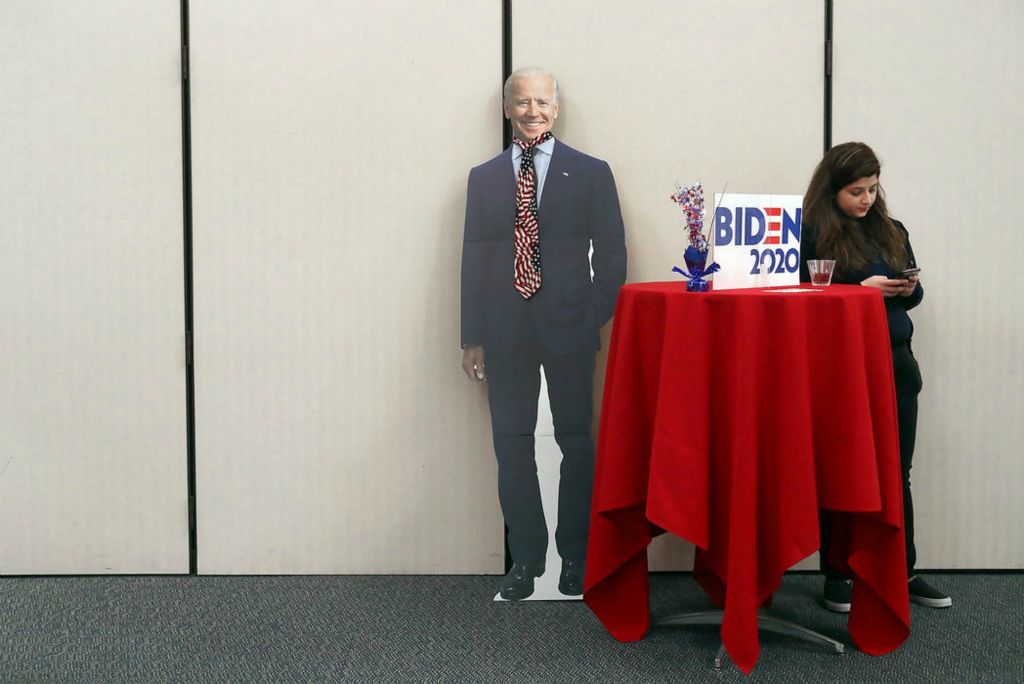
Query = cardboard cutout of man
x=529 y=301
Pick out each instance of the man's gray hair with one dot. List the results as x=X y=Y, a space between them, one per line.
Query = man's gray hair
x=527 y=72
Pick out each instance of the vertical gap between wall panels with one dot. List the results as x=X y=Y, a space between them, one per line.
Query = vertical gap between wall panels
x=828 y=75
x=186 y=184
x=506 y=63
x=506 y=139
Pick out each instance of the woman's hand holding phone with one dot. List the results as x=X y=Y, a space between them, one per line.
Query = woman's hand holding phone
x=890 y=287
x=910 y=285
x=912 y=276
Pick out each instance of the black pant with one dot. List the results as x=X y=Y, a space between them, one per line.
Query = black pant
x=513 y=387
x=907 y=375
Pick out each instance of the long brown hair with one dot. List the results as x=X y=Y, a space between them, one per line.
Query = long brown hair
x=851 y=242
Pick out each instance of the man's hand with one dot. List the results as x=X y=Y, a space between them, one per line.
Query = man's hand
x=890 y=287
x=473 y=362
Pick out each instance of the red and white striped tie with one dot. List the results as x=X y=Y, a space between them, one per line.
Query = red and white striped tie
x=527 y=239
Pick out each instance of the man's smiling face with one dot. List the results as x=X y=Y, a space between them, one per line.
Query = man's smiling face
x=531 y=106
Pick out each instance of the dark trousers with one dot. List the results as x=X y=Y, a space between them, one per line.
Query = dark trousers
x=513 y=388
x=907 y=375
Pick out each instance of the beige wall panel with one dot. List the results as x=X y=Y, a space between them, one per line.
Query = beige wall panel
x=670 y=91
x=936 y=89
x=92 y=397
x=335 y=430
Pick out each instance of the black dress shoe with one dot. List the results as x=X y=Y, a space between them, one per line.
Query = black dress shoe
x=518 y=583
x=570 y=582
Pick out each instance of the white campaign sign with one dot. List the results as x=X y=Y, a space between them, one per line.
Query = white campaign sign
x=756 y=240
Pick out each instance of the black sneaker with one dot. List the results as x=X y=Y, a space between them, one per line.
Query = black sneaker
x=927 y=595
x=836 y=596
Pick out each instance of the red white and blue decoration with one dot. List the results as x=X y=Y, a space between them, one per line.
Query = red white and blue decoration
x=691 y=199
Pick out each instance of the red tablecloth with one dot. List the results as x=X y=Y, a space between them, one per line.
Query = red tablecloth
x=729 y=418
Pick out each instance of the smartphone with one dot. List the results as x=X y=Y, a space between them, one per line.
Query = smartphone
x=907 y=272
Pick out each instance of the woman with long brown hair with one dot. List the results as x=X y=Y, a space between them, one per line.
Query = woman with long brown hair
x=845 y=219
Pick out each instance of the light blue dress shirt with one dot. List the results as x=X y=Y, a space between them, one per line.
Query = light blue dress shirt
x=541 y=161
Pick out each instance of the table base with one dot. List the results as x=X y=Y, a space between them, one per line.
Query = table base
x=765 y=622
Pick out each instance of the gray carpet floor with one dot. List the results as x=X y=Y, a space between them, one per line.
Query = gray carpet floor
x=447 y=629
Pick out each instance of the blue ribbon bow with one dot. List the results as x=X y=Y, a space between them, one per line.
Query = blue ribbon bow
x=695 y=269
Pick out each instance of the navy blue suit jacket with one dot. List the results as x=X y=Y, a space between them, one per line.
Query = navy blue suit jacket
x=579 y=205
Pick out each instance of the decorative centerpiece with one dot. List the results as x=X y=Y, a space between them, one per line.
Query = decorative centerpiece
x=691 y=199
